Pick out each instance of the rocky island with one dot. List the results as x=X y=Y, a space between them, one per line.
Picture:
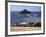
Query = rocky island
x=25 y=13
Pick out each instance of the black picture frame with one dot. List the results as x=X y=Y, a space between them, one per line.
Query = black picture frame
x=6 y=18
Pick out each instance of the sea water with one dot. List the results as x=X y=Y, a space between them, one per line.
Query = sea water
x=15 y=18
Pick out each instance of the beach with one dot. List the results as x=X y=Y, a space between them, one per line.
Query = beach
x=18 y=29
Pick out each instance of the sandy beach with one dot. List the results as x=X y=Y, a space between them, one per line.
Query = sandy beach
x=18 y=29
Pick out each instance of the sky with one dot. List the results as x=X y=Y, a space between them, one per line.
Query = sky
x=29 y=8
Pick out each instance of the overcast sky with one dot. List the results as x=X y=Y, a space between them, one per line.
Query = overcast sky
x=29 y=8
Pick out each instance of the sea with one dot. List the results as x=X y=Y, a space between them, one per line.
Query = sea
x=16 y=18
